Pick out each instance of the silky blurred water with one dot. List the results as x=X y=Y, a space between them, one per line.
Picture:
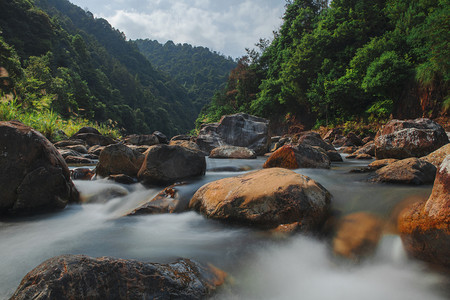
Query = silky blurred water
x=262 y=266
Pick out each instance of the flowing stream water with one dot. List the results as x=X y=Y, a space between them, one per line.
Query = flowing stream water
x=261 y=265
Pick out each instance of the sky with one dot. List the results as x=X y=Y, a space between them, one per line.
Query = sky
x=225 y=26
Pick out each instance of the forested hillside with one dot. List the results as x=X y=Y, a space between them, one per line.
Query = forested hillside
x=347 y=60
x=61 y=57
x=199 y=70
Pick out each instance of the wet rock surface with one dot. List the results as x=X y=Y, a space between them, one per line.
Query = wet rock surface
x=407 y=171
x=82 y=277
x=34 y=175
x=232 y=152
x=266 y=198
x=298 y=156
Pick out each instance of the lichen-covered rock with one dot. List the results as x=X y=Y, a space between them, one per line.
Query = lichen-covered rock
x=266 y=198
x=33 y=174
x=409 y=138
x=298 y=156
x=425 y=226
x=241 y=130
x=232 y=152
x=407 y=171
x=119 y=159
x=80 y=277
x=164 y=164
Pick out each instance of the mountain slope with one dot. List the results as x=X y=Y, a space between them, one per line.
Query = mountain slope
x=199 y=70
x=93 y=72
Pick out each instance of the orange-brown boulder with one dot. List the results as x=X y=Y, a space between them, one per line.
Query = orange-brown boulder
x=407 y=171
x=298 y=156
x=438 y=156
x=266 y=198
x=425 y=226
x=357 y=235
x=119 y=159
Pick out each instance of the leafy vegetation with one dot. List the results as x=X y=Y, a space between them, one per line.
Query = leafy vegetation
x=60 y=57
x=346 y=61
x=199 y=70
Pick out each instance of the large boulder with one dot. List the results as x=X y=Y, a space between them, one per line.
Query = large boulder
x=298 y=156
x=407 y=171
x=241 y=130
x=185 y=143
x=164 y=164
x=82 y=277
x=232 y=152
x=266 y=198
x=409 y=138
x=425 y=226
x=119 y=159
x=92 y=139
x=33 y=175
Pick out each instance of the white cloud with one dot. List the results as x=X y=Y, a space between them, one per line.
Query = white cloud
x=225 y=26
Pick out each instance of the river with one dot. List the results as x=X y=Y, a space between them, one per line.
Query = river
x=262 y=266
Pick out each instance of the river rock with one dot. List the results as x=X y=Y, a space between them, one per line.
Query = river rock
x=181 y=137
x=351 y=139
x=77 y=160
x=78 y=148
x=241 y=130
x=266 y=198
x=298 y=156
x=143 y=139
x=65 y=143
x=357 y=235
x=425 y=226
x=407 y=171
x=92 y=139
x=380 y=163
x=82 y=174
x=162 y=138
x=232 y=152
x=437 y=157
x=33 y=176
x=80 y=277
x=314 y=139
x=368 y=148
x=87 y=129
x=409 y=138
x=166 y=202
x=334 y=156
x=119 y=159
x=185 y=143
x=96 y=150
x=164 y=164
x=67 y=152
x=332 y=133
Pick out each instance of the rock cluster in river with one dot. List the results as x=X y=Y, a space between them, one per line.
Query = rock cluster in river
x=33 y=176
x=82 y=277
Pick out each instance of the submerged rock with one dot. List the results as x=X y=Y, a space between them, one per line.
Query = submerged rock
x=82 y=277
x=166 y=202
x=425 y=226
x=298 y=156
x=33 y=174
x=266 y=198
x=407 y=171
x=119 y=159
x=357 y=235
x=409 y=138
x=232 y=152
x=164 y=164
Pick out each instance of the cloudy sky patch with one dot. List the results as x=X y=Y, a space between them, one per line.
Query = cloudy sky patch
x=224 y=26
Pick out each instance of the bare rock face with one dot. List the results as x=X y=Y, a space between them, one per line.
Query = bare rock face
x=164 y=164
x=425 y=226
x=119 y=159
x=80 y=277
x=232 y=152
x=266 y=198
x=298 y=156
x=33 y=174
x=407 y=171
x=409 y=138
x=241 y=130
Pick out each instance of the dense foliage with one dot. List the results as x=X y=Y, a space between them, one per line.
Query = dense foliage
x=346 y=60
x=61 y=58
x=199 y=70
